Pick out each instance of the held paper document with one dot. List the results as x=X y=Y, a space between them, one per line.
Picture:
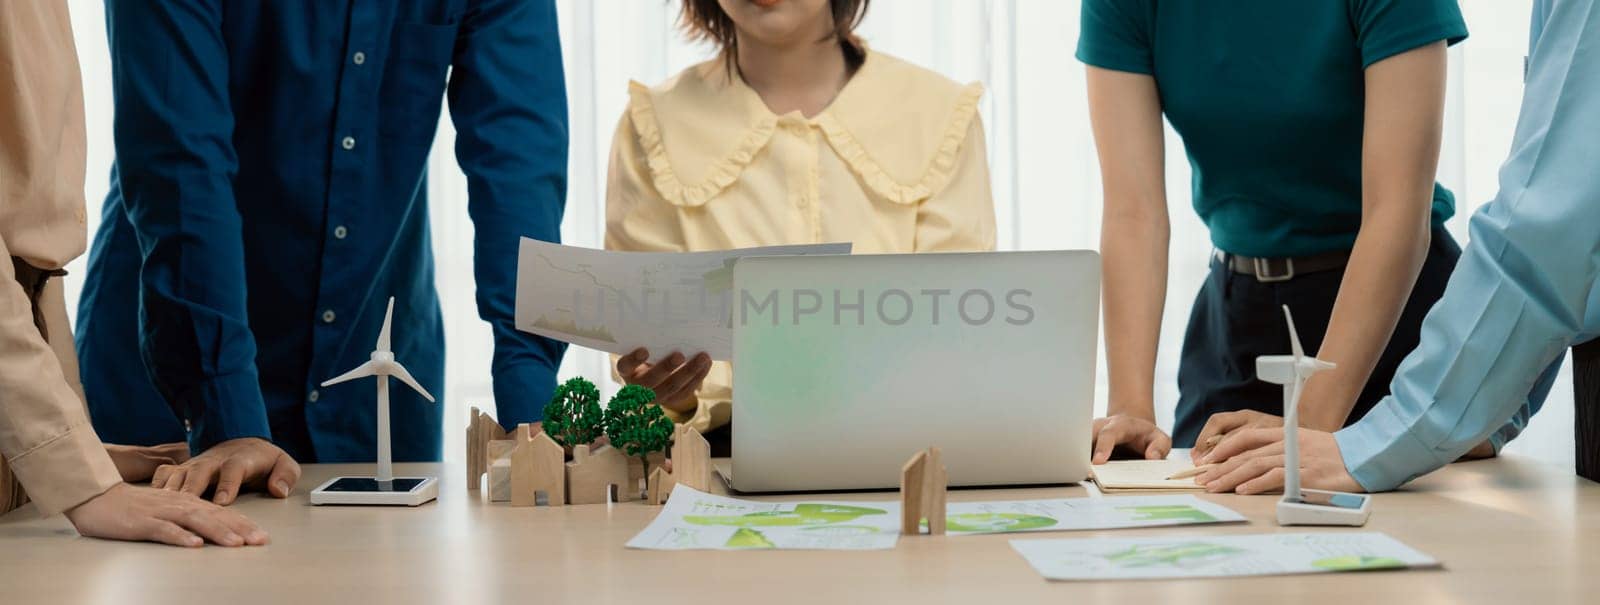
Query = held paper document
x=619 y=301
x=1200 y=556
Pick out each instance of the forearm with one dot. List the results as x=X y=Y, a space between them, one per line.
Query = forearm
x=1383 y=268
x=1133 y=250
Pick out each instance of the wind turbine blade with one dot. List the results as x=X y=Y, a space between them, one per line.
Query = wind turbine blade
x=383 y=335
x=399 y=372
x=1294 y=337
x=369 y=368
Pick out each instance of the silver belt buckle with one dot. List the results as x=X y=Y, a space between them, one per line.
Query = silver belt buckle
x=1264 y=270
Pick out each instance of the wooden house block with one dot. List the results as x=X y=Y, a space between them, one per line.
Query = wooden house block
x=481 y=430
x=537 y=465
x=593 y=476
x=661 y=484
x=691 y=458
x=923 y=482
x=500 y=470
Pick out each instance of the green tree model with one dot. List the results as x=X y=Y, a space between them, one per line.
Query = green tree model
x=574 y=417
x=636 y=425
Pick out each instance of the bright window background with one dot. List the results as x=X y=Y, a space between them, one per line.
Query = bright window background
x=1045 y=174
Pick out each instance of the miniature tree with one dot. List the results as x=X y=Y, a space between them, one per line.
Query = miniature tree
x=636 y=425
x=574 y=417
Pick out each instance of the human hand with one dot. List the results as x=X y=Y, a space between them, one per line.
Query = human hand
x=1222 y=424
x=142 y=514
x=673 y=379
x=1252 y=463
x=234 y=464
x=1131 y=432
x=137 y=463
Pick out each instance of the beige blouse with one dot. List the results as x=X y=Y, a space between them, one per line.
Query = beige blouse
x=895 y=164
x=44 y=429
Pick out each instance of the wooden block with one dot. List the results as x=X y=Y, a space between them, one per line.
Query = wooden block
x=499 y=457
x=661 y=484
x=912 y=477
x=934 y=486
x=481 y=430
x=592 y=476
x=500 y=480
x=537 y=465
x=691 y=458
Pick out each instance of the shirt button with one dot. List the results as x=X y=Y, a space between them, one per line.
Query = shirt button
x=348 y=143
x=359 y=57
x=340 y=232
x=314 y=396
x=328 y=316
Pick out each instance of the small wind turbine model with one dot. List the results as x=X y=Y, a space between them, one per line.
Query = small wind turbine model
x=383 y=489
x=1304 y=506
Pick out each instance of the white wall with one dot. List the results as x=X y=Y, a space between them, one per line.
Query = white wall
x=1045 y=174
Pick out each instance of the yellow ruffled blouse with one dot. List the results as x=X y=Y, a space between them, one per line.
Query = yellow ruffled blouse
x=896 y=163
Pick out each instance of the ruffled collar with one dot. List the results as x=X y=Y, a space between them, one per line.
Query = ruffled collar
x=897 y=126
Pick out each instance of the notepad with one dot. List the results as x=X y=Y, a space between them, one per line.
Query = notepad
x=1143 y=475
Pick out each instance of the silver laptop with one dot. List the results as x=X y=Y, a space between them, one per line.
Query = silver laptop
x=846 y=366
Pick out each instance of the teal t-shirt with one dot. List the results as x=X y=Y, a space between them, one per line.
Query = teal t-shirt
x=1268 y=96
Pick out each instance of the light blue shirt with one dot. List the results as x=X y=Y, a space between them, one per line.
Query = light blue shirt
x=1525 y=288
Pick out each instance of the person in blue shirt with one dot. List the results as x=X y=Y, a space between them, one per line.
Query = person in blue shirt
x=1313 y=131
x=1526 y=289
x=268 y=197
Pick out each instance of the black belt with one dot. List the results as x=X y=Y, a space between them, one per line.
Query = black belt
x=1268 y=270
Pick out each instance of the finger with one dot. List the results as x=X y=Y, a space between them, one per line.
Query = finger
x=242 y=525
x=285 y=473
x=1242 y=441
x=628 y=364
x=1233 y=462
x=159 y=479
x=1217 y=425
x=1158 y=446
x=199 y=520
x=228 y=482
x=674 y=385
x=199 y=479
x=660 y=371
x=167 y=532
x=176 y=478
x=1250 y=469
x=1105 y=442
x=1270 y=482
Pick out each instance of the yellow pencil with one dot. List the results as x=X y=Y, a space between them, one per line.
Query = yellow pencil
x=1191 y=472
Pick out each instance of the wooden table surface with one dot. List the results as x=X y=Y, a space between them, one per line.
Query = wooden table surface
x=1509 y=531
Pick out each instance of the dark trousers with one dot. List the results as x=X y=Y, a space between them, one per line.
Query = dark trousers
x=1237 y=318
x=1586 y=408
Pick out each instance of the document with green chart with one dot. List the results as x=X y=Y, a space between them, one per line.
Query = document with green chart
x=1071 y=514
x=1198 y=556
x=694 y=520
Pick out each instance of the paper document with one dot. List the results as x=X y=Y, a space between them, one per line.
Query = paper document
x=966 y=518
x=1217 y=556
x=619 y=301
x=1118 y=475
x=694 y=520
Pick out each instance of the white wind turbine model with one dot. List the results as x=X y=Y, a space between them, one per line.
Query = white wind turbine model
x=1304 y=506
x=383 y=489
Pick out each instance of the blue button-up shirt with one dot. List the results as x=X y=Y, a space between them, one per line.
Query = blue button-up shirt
x=1525 y=288
x=268 y=197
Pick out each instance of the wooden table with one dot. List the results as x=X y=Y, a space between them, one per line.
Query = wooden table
x=1509 y=531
